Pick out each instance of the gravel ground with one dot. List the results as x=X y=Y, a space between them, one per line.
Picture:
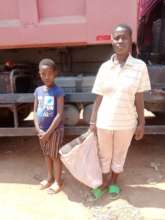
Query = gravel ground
x=142 y=183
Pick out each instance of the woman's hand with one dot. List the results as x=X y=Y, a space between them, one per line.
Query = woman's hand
x=139 y=133
x=93 y=128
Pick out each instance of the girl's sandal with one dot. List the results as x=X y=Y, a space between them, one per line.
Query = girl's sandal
x=114 y=191
x=97 y=193
x=55 y=188
x=45 y=184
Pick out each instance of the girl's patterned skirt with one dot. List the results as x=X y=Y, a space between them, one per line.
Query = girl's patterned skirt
x=52 y=146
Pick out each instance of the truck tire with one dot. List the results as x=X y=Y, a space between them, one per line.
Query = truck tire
x=71 y=115
x=87 y=113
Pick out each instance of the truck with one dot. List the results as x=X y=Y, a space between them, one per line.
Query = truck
x=77 y=36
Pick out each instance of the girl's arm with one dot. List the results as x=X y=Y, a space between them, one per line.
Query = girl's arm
x=58 y=118
x=139 y=103
x=96 y=106
x=35 y=117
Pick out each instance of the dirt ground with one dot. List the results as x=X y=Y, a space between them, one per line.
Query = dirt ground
x=142 y=183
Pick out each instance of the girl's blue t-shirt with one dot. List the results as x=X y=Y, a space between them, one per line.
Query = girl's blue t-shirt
x=47 y=104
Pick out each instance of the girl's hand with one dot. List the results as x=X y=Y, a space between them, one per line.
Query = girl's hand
x=139 y=133
x=44 y=136
x=40 y=132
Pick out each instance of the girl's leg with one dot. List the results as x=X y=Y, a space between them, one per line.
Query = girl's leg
x=105 y=140
x=49 y=165
x=57 y=170
x=57 y=139
x=55 y=143
x=57 y=185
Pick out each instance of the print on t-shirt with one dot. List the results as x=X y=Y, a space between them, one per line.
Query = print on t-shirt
x=46 y=106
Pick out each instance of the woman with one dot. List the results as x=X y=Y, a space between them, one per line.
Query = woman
x=118 y=111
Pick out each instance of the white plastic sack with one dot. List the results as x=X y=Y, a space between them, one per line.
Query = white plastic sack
x=80 y=156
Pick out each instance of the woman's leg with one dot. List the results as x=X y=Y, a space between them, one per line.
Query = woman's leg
x=105 y=145
x=122 y=140
x=114 y=176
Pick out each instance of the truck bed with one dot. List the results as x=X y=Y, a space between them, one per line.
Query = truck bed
x=43 y=23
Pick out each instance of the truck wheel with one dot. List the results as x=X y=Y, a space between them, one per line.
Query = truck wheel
x=87 y=113
x=71 y=114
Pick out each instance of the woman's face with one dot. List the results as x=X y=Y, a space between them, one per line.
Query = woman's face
x=121 y=41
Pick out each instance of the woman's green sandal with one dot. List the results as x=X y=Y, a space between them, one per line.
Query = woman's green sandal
x=114 y=191
x=97 y=193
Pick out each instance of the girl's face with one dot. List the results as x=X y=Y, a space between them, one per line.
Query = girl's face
x=47 y=75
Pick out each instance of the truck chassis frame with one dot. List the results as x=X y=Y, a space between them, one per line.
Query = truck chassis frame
x=11 y=100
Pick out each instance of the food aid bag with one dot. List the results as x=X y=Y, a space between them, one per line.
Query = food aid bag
x=80 y=156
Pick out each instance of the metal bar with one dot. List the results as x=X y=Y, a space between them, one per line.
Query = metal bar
x=6 y=105
x=80 y=97
x=31 y=131
x=155 y=129
x=29 y=98
x=70 y=131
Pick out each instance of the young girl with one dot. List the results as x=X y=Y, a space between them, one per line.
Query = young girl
x=48 y=119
